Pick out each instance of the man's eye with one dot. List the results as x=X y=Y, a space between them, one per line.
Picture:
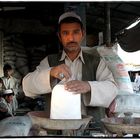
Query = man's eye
x=64 y=33
x=77 y=31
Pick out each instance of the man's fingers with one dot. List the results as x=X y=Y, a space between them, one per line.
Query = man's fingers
x=77 y=86
x=67 y=71
x=61 y=71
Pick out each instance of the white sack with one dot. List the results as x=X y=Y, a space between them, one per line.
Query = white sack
x=15 y=126
x=117 y=67
x=65 y=104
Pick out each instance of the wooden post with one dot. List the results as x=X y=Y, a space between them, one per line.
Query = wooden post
x=107 y=25
x=82 y=13
x=1 y=53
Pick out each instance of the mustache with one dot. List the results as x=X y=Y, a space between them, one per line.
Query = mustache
x=69 y=43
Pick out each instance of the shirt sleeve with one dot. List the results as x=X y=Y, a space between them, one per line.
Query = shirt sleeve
x=38 y=82
x=3 y=104
x=104 y=90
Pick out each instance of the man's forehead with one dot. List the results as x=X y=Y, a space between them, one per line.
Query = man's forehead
x=70 y=26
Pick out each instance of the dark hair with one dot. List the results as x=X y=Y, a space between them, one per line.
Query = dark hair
x=4 y=95
x=7 y=67
x=70 y=20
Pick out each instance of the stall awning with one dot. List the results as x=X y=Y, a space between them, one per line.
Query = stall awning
x=131 y=59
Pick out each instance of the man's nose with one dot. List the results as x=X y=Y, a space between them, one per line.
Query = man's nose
x=71 y=37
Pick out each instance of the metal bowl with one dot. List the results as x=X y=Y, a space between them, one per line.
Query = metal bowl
x=118 y=126
x=42 y=119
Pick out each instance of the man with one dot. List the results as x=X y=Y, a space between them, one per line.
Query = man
x=5 y=104
x=10 y=82
x=92 y=77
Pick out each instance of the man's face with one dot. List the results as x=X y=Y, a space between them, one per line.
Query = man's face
x=9 y=72
x=71 y=36
x=9 y=98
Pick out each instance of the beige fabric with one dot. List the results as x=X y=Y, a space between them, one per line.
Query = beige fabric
x=11 y=83
x=75 y=66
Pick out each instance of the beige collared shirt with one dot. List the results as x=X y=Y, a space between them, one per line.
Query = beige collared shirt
x=75 y=66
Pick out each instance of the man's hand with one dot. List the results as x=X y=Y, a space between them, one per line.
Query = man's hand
x=110 y=111
x=77 y=86
x=61 y=71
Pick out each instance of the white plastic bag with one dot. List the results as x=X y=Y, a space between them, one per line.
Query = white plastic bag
x=65 y=104
x=15 y=126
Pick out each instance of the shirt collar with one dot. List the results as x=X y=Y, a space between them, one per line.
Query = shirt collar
x=8 y=77
x=64 y=55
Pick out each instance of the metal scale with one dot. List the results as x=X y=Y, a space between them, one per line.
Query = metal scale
x=68 y=127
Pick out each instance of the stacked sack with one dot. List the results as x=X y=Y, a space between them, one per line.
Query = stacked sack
x=15 y=55
x=37 y=53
